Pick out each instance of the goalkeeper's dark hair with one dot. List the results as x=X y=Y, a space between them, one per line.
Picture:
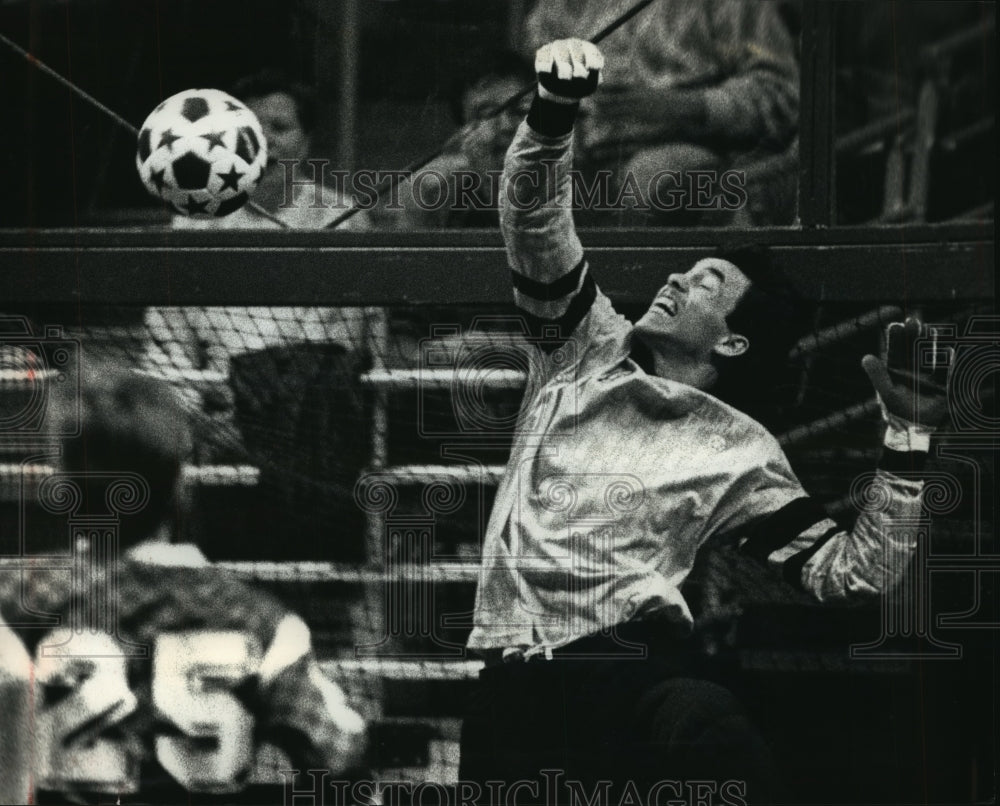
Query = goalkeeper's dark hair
x=128 y=423
x=269 y=81
x=772 y=316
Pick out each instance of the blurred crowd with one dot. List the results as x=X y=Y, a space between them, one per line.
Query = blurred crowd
x=696 y=123
x=696 y=93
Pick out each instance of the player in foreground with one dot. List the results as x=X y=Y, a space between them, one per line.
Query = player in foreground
x=15 y=697
x=624 y=464
x=157 y=678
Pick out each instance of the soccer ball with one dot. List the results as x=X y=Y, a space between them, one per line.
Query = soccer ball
x=201 y=151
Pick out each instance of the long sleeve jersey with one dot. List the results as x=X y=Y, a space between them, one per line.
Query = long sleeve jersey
x=175 y=702
x=618 y=476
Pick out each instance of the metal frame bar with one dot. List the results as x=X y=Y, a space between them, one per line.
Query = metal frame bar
x=127 y=267
x=817 y=184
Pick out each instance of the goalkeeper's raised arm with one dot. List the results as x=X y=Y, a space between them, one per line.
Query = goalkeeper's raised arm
x=546 y=258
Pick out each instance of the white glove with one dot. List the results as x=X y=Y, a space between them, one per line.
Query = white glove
x=568 y=70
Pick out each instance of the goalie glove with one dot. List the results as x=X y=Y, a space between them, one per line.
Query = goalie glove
x=568 y=70
x=912 y=384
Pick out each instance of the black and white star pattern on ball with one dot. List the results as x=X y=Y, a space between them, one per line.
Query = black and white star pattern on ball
x=233 y=107
x=144 y=147
x=191 y=172
x=193 y=206
x=247 y=144
x=157 y=179
x=194 y=108
x=168 y=138
x=214 y=139
x=230 y=179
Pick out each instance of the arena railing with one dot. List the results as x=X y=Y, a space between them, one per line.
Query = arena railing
x=130 y=267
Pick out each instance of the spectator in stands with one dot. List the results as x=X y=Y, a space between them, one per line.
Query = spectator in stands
x=292 y=371
x=462 y=172
x=689 y=85
x=287 y=113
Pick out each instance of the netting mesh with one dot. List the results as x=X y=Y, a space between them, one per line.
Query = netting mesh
x=346 y=459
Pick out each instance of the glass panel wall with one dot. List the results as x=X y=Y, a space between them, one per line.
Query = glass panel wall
x=915 y=112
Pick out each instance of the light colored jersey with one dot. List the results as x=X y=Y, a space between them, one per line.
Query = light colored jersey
x=617 y=477
x=197 y=673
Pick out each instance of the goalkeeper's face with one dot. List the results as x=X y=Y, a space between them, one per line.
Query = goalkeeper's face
x=688 y=315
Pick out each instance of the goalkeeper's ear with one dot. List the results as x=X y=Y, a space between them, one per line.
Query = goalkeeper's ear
x=731 y=345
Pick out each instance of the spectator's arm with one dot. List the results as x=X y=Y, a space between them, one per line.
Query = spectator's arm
x=758 y=104
x=753 y=103
x=427 y=199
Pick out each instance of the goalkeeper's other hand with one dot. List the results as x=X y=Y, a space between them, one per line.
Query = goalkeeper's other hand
x=912 y=378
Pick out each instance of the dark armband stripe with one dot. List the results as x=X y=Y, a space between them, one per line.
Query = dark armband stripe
x=563 y=326
x=551 y=119
x=782 y=527
x=907 y=462
x=548 y=292
x=791 y=569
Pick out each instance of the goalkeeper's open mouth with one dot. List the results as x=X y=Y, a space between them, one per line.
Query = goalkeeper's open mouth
x=666 y=305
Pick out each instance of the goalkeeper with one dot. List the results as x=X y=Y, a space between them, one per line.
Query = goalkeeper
x=625 y=463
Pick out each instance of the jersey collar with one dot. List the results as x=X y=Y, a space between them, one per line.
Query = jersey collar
x=641 y=354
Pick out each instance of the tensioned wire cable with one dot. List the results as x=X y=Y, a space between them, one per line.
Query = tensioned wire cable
x=395 y=177
x=90 y=99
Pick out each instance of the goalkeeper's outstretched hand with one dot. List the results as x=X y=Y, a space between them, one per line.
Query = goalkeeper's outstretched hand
x=912 y=378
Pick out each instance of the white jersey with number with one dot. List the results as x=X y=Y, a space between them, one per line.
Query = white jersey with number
x=174 y=694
